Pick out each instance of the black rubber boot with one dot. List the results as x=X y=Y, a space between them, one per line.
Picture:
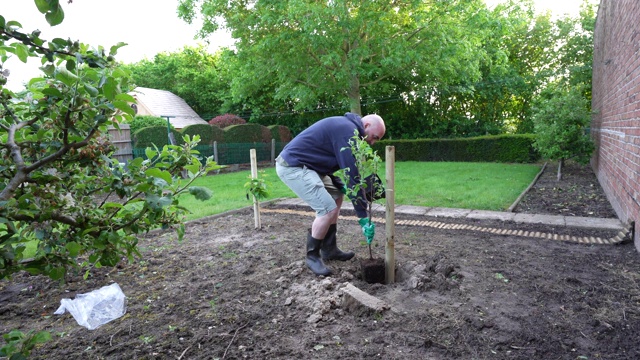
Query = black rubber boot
x=330 y=251
x=314 y=262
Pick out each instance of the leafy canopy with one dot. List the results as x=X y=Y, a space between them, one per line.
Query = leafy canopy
x=333 y=50
x=560 y=120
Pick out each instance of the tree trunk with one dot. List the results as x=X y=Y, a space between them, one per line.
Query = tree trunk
x=354 y=95
x=560 y=163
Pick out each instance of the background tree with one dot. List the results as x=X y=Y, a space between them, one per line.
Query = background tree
x=141 y=121
x=334 y=50
x=192 y=73
x=560 y=118
x=515 y=53
x=574 y=59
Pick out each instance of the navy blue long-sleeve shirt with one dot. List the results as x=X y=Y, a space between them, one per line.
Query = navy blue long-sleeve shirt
x=319 y=148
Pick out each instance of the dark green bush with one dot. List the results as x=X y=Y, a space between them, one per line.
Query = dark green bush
x=493 y=148
x=157 y=135
x=208 y=134
x=280 y=133
x=142 y=121
x=247 y=133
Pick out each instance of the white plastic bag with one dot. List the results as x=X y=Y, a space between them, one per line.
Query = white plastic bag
x=95 y=308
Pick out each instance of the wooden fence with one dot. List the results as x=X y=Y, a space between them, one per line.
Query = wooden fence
x=122 y=141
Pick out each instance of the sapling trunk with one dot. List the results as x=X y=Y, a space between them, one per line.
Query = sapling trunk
x=370 y=253
x=370 y=212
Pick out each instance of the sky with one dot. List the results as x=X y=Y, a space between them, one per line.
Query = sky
x=557 y=7
x=148 y=27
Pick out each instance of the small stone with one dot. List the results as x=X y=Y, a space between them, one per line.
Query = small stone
x=327 y=284
x=288 y=301
x=314 y=318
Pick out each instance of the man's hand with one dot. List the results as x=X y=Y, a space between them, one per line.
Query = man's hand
x=368 y=229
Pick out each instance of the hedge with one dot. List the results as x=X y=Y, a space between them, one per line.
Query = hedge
x=143 y=121
x=208 y=133
x=150 y=135
x=247 y=133
x=280 y=133
x=492 y=148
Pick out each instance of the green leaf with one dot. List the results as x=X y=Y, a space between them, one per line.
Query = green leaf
x=110 y=205
x=150 y=153
x=114 y=49
x=164 y=175
x=125 y=97
x=40 y=234
x=156 y=202
x=51 y=91
x=67 y=77
x=14 y=24
x=73 y=248
x=91 y=90
x=124 y=107
x=22 y=52
x=109 y=89
x=57 y=273
x=70 y=65
x=89 y=230
x=42 y=5
x=55 y=17
x=201 y=193
x=180 y=231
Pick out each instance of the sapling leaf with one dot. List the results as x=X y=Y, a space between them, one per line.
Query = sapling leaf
x=201 y=193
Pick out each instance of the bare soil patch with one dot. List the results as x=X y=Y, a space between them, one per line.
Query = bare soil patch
x=230 y=291
x=578 y=193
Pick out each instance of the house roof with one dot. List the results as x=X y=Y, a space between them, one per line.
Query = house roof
x=165 y=103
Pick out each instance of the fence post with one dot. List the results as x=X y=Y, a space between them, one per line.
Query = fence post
x=254 y=175
x=273 y=152
x=215 y=152
x=390 y=192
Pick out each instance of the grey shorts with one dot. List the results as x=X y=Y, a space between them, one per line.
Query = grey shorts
x=317 y=191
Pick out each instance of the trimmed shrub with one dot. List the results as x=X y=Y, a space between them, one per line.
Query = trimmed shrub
x=280 y=133
x=493 y=148
x=208 y=134
x=247 y=133
x=222 y=121
x=157 y=135
x=143 y=121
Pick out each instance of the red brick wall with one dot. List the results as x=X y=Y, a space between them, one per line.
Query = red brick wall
x=615 y=126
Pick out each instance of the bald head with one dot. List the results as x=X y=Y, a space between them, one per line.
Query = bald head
x=374 y=128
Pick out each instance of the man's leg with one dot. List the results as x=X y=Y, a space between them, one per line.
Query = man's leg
x=321 y=223
x=308 y=185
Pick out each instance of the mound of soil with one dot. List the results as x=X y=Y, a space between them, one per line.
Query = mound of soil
x=229 y=291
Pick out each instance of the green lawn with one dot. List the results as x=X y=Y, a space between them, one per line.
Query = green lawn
x=480 y=186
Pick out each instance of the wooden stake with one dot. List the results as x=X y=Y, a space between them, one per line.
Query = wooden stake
x=390 y=256
x=254 y=175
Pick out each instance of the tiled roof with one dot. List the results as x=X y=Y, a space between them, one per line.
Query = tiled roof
x=165 y=103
